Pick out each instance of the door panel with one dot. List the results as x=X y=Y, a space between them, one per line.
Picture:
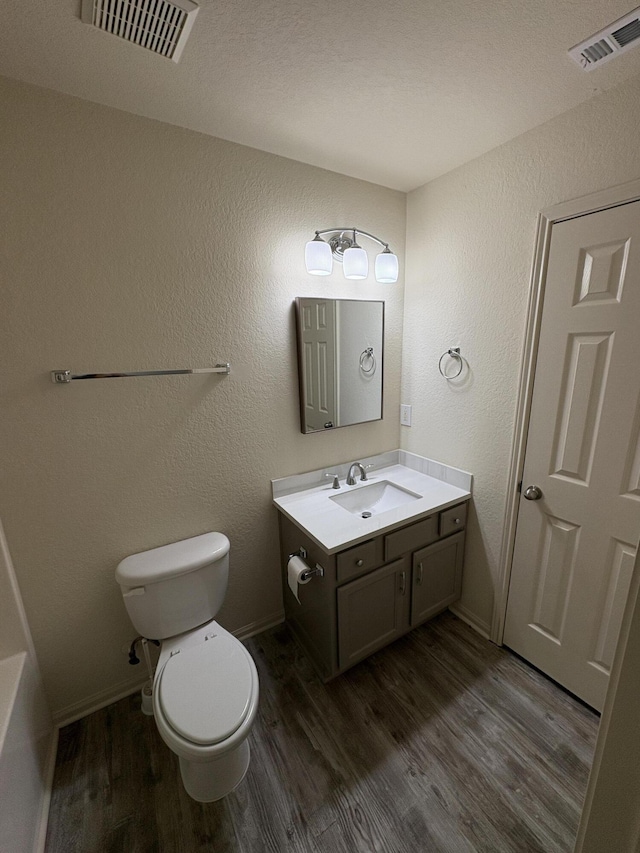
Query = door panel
x=601 y=272
x=574 y=547
x=372 y=611
x=555 y=563
x=436 y=577
x=580 y=404
x=616 y=587
x=631 y=480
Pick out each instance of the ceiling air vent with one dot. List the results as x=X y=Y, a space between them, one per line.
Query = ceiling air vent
x=610 y=42
x=158 y=25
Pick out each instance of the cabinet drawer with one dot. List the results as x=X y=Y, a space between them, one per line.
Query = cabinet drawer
x=452 y=520
x=409 y=538
x=358 y=560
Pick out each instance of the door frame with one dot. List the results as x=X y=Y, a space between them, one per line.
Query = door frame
x=547 y=218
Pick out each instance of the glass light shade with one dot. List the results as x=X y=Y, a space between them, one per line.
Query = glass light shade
x=317 y=257
x=386 y=268
x=355 y=263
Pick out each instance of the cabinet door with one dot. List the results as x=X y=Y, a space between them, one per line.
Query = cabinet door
x=436 y=577
x=372 y=611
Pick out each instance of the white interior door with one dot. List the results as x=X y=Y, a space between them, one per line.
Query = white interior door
x=575 y=545
x=319 y=380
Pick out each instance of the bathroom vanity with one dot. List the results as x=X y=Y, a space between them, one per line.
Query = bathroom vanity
x=379 y=576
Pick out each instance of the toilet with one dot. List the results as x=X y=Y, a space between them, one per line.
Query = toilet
x=205 y=688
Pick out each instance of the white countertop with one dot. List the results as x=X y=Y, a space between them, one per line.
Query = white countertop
x=333 y=528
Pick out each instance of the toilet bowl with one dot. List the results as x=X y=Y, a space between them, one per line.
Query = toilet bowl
x=205 y=699
x=205 y=688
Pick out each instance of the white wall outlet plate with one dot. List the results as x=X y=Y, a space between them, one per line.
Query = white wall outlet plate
x=405 y=415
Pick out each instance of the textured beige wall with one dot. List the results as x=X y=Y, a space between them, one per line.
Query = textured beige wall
x=470 y=241
x=131 y=244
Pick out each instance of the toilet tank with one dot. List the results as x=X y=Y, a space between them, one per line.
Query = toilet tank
x=177 y=587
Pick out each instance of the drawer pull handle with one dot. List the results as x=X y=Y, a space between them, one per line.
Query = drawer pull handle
x=419 y=576
x=403 y=582
x=359 y=562
x=457 y=521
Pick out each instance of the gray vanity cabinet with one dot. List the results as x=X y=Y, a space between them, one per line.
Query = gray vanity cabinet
x=372 y=612
x=436 y=577
x=374 y=592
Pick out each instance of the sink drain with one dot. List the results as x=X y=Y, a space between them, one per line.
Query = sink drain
x=367 y=514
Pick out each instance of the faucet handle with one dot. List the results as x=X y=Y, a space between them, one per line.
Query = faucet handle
x=364 y=475
x=336 y=481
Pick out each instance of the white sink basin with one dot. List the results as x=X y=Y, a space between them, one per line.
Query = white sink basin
x=375 y=498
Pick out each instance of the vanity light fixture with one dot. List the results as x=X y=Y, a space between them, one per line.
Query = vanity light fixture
x=343 y=246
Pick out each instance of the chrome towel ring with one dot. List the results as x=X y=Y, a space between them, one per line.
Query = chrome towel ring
x=368 y=361
x=452 y=352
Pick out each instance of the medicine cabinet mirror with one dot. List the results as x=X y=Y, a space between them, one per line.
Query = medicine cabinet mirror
x=340 y=345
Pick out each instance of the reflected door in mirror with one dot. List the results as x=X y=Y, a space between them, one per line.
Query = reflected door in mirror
x=339 y=361
x=319 y=343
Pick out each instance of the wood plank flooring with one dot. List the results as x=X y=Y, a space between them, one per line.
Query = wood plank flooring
x=441 y=743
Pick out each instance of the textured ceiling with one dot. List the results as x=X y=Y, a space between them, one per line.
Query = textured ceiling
x=393 y=92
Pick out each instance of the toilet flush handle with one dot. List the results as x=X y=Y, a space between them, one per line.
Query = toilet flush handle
x=136 y=590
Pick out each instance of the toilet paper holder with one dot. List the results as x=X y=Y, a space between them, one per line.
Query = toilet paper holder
x=309 y=573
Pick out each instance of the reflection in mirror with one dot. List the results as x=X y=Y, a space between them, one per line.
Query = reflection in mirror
x=339 y=362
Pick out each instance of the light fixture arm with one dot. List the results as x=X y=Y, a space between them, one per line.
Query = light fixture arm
x=355 y=232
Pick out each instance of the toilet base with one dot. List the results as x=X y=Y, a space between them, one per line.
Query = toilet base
x=208 y=781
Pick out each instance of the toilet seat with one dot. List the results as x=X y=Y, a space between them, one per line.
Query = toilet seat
x=205 y=690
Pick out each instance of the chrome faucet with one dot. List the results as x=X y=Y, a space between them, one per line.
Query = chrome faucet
x=351 y=480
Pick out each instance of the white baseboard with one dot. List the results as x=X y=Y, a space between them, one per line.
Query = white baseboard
x=96 y=701
x=471 y=619
x=258 y=627
x=43 y=818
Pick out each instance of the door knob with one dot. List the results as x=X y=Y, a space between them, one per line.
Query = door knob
x=533 y=493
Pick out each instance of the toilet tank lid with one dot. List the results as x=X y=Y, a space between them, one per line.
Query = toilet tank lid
x=178 y=558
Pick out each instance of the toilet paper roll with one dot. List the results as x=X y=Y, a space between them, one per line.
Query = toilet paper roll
x=295 y=567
